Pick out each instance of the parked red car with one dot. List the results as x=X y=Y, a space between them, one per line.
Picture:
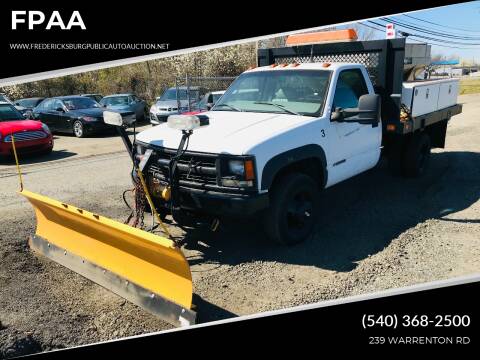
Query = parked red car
x=30 y=136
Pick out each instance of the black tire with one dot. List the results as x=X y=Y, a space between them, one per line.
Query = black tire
x=417 y=155
x=78 y=129
x=395 y=158
x=48 y=151
x=290 y=219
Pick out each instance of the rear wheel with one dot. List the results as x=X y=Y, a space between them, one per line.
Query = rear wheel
x=78 y=129
x=417 y=155
x=395 y=157
x=291 y=216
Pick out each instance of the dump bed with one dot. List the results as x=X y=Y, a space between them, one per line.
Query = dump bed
x=384 y=61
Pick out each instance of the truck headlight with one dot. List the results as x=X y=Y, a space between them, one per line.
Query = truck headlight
x=238 y=173
x=140 y=149
x=236 y=167
x=139 y=152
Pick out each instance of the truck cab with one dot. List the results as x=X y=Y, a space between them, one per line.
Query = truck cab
x=273 y=123
x=285 y=131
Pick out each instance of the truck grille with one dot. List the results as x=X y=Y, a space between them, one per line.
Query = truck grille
x=194 y=169
x=26 y=135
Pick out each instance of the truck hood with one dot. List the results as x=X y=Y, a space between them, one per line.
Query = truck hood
x=8 y=127
x=228 y=132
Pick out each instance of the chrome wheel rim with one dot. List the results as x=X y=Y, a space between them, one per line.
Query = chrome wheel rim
x=78 y=129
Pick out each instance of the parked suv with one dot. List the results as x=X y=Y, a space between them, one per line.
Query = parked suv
x=167 y=104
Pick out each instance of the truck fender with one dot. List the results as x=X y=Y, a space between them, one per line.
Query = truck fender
x=282 y=160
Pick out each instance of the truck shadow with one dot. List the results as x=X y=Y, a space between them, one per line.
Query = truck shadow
x=207 y=311
x=359 y=217
x=26 y=159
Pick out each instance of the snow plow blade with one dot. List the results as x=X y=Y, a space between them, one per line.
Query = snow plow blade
x=146 y=269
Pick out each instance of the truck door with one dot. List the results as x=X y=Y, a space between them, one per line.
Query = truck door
x=358 y=145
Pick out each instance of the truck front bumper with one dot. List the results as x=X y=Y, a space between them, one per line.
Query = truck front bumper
x=222 y=204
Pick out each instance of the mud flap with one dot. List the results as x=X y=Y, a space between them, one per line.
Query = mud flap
x=146 y=269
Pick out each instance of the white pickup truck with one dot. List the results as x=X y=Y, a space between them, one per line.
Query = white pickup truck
x=309 y=118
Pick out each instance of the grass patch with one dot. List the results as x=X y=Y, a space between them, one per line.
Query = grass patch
x=470 y=86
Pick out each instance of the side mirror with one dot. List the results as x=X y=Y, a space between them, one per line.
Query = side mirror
x=337 y=115
x=367 y=112
x=59 y=109
x=112 y=118
x=209 y=106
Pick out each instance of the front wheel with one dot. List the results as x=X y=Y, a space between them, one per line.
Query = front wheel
x=293 y=209
x=78 y=129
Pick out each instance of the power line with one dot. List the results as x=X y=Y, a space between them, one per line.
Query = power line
x=445 y=26
x=422 y=40
x=431 y=37
x=442 y=45
x=409 y=22
x=430 y=32
x=411 y=36
x=371 y=27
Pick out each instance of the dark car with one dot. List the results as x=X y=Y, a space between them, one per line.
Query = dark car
x=76 y=115
x=26 y=105
x=96 y=97
x=126 y=102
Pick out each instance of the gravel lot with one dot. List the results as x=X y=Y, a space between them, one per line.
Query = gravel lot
x=376 y=232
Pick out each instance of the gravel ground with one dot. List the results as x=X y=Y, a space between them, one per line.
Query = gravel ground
x=376 y=232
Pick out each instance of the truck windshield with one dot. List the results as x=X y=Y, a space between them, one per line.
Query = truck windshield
x=283 y=91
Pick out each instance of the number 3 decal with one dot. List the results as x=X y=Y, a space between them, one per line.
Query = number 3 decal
x=322 y=132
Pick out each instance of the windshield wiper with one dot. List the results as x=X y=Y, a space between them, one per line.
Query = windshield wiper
x=278 y=106
x=229 y=106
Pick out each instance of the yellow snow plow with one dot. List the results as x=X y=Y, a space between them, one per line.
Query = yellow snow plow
x=147 y=269
x=144 y=268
